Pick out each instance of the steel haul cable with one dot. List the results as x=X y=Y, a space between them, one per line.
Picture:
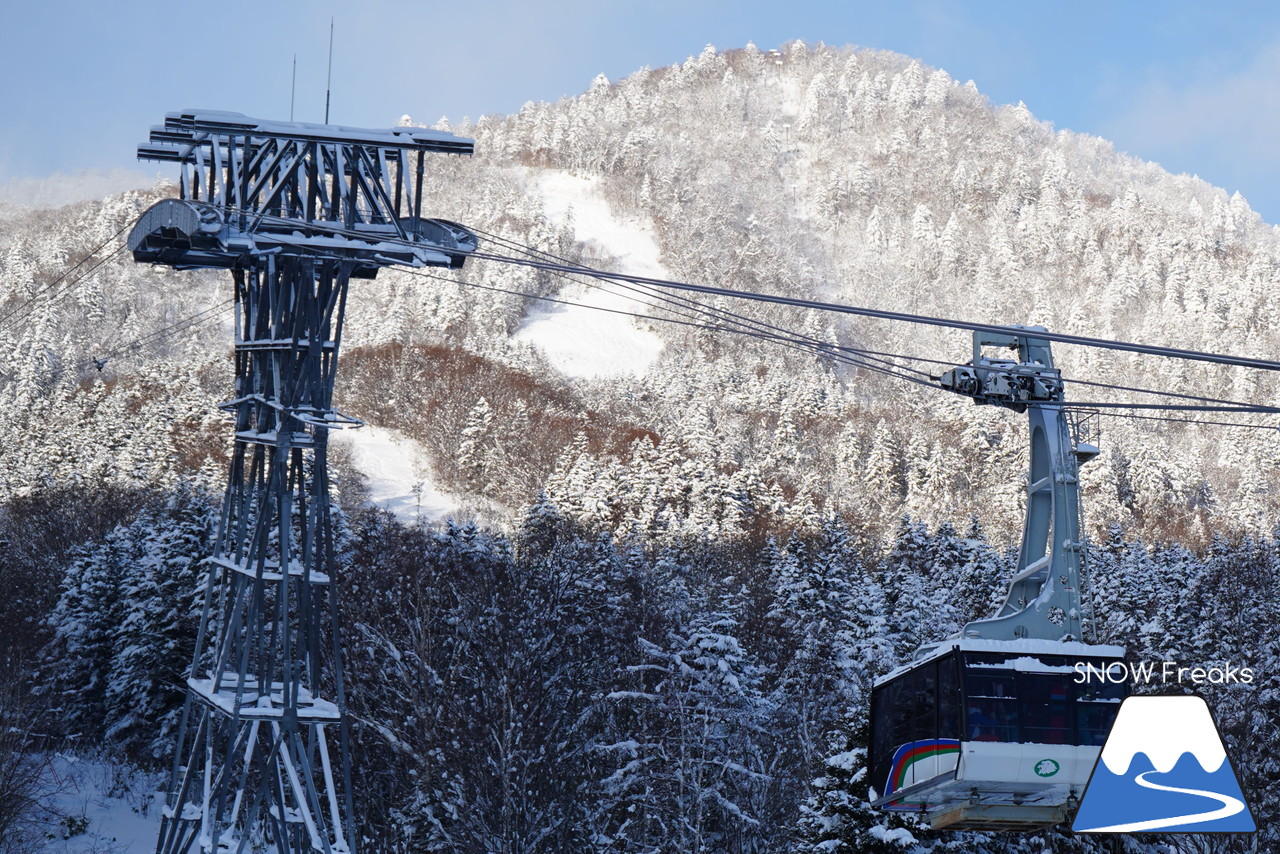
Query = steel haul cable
x=864 y=352
x=882 y=314
x=716 y=312
x=723 y=320
x=9 y=318
x=834 y=352
x=1243 y=408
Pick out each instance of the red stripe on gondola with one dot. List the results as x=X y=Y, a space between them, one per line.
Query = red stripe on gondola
x=909 y=753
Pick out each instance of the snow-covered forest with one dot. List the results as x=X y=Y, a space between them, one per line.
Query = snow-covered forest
x=677 y=557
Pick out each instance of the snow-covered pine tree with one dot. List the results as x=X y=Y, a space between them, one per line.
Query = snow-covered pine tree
x=153 y=643
x=84 y=622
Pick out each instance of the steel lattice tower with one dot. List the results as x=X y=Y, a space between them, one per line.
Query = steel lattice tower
x=295 y=211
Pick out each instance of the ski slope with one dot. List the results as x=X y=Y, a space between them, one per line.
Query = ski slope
x=395 y=466
x=581 y=341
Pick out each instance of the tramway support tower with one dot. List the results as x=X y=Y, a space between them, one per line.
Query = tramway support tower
x=992 y=729
x=1044 y=593
x=294 y=211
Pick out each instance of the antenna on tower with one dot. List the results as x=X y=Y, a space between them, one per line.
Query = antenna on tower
x=293 y=89
x=328 y=86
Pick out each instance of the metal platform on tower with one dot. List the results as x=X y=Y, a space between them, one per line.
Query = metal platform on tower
x=251 y=187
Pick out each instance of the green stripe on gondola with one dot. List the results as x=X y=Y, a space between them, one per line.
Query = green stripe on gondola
x=929 y=751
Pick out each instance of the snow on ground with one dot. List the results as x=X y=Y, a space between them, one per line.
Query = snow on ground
x=581 y=341
x=94 y=807
x=398 y=473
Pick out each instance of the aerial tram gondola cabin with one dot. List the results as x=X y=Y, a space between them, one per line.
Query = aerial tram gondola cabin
x=995 y=728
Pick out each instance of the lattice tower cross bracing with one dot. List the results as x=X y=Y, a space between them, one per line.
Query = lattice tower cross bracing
x=295 y=211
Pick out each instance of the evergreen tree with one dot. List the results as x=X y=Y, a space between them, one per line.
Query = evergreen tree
x=153 y=643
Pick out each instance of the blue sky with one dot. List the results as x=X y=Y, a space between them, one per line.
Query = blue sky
x=1193 y=86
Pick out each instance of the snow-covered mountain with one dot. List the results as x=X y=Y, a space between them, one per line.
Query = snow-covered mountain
x=847 y=175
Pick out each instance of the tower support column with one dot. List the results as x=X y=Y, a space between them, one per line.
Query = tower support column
x=295 y=211
x=263 y=738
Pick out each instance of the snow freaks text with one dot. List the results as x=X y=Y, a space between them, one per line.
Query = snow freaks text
x=1167 y=672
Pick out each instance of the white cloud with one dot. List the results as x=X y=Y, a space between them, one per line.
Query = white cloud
x=63 y=188
x=1222 y=125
